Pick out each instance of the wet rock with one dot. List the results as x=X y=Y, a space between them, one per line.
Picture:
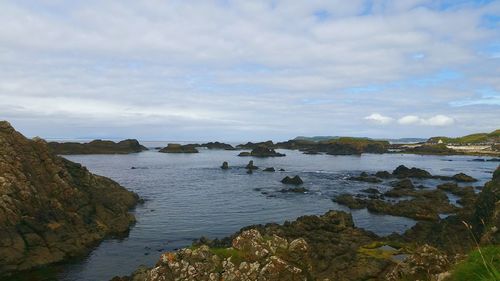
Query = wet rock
x=281 y=170
x=270 y=169
x=486 y=217
x=250 y=166
x=178 y=148
x=244 y=154
x=461 y=177
x=225 y=165
x=50 y=207
x=405 y=172
x=295 y=180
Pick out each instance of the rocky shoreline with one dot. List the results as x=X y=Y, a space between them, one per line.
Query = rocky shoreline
x=52 y=209
x=330 y=247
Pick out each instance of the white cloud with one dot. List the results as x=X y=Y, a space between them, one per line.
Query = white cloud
x=93 y=63
x=438 y=120
x=378 y=118
x=409 y=119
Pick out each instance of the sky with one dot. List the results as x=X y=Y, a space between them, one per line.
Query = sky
x=249 y=70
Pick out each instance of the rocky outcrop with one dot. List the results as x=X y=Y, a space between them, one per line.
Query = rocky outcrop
x=461 y=177
x=250 y=166
x=326 y=247
x=252 y=145
x=295 y=180
x=337 y=146
x=217 y=145
x=51 y=208
x=178 y=148
x=262 y=151
x=251 y=256
x=97 y=147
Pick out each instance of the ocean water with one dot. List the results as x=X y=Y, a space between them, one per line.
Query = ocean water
x=189 y=196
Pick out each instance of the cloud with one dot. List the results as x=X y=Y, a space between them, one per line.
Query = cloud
x=309 y=66
x=437 y=120
x=378 y=118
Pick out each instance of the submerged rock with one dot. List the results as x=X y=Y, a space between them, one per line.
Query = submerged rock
x=366 y=178
x=270 y=169
x=178 y=148
x=52 y=209
x=295 y=180
x=97 y=147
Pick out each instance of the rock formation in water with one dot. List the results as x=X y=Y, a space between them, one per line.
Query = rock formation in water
x=97 y=147
x=178 y=148
x=295 y=180
x=225 y=165
x=52 y=209
x=262 y=151
x=217 y=145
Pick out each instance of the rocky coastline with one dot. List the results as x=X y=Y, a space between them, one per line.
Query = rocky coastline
x=97 y=147
x=52 y=209
x=330 y=247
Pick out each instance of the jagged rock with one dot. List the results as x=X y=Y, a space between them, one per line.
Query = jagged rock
x=52 y=209
x=281 y=170
x=295 y=180
x=270 y=169
x=262 y=151
x=178 y=148
x=461 y=177
x=225 y=165
x=97 y=147
x=404 y=172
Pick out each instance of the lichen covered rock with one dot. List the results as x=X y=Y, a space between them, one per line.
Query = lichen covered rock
x=251 y=257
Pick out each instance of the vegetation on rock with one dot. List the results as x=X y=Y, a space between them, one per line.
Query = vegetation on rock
x=52 y=209
x=97 y=147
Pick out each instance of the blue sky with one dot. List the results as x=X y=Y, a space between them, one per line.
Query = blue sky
x=249 y=70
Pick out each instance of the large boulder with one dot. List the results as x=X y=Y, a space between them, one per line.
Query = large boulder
x=52 y=209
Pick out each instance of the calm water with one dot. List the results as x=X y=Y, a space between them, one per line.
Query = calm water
x=189 y=196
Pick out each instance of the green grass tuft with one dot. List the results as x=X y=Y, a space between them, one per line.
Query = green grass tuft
x=481 y=265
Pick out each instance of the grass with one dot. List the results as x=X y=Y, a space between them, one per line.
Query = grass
x=470 y=139
x=483 y=264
